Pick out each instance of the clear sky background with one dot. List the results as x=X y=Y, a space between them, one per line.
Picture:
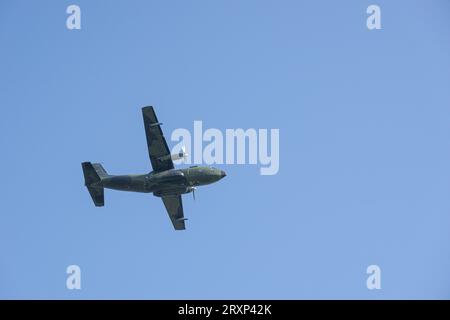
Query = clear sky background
x=364 y=148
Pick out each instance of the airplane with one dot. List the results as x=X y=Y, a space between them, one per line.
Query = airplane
x=164 y=181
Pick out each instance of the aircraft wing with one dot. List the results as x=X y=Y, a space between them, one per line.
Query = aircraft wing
x=174 y=207
x=157 y=146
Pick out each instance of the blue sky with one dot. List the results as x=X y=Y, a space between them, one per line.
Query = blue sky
x=364 y=148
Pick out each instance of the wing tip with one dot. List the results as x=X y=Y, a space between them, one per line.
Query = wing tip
x=148 y=108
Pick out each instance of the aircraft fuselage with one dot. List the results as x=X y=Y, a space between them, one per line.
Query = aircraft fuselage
x=169 y=182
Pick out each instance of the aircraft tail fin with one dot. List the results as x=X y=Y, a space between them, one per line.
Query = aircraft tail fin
x=93 y=175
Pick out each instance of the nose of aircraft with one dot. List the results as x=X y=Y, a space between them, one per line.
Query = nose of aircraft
x=222 y=174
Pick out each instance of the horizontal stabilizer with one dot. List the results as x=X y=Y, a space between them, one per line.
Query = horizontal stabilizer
x=93 y=175
x=97 y=195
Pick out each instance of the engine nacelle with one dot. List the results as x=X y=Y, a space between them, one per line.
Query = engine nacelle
x=174 y=191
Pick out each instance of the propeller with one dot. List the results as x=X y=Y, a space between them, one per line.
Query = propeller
x=184 y=153
x=193 y=192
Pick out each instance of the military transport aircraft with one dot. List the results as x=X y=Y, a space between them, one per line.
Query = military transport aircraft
x=164 y=181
